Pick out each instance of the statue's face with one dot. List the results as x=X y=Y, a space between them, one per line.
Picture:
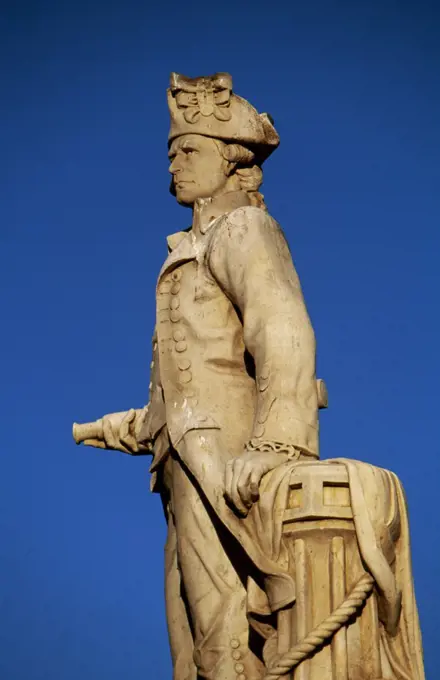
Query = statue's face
x=198 y=168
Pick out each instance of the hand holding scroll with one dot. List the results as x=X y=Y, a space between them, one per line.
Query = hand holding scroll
x=113 y=431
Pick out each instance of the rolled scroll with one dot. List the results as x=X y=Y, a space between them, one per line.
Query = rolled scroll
x=83 y=431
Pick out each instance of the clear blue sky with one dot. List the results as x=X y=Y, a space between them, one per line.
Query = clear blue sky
x=84 y=211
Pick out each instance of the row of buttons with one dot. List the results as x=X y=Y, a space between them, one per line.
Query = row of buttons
x=180 y=344
x=236 y=655
x=175 y=315
x=238 y=667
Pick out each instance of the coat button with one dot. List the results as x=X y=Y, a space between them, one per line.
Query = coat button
x=185 y=377
x=239 y=667
x=175 y=315
x=175 y=288
x=181 y=346
x=176 y=275
x=183 y=364
x=241 y=676
x=236 y=655
x=178 y=335
x=164 y=287
x=235 y=644
x=174 y=303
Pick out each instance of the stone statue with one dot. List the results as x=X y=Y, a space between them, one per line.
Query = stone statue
x=277 y=564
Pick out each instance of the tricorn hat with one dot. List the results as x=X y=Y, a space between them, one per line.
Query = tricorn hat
x=207 y=106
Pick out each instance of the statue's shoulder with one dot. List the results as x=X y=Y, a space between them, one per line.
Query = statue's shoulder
x=245 y=224
x=248 y=214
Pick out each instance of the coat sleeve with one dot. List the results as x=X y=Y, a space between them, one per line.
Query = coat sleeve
x=251 y=261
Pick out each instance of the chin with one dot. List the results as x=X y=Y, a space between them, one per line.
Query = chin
x=184 y=197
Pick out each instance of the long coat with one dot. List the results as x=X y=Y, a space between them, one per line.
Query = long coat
x=234 y=348
x=233 y=359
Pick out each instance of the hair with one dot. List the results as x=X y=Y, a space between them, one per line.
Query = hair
x=247 y=170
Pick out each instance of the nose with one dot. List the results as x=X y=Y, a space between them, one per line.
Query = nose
x=175 y=166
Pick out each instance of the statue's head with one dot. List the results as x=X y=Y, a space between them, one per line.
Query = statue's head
x=217 y=140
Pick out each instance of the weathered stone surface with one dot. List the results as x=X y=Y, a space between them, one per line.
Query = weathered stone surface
x=277 y=564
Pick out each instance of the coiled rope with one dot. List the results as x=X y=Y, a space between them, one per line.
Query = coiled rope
x=324 y=631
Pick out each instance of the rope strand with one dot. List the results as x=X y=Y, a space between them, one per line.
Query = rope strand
x=324 y=631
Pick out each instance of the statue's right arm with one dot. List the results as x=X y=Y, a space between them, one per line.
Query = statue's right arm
x=120 y=431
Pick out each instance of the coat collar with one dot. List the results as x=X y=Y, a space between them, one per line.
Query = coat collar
x=184 y=246
x=207 y=210
x=174 y=240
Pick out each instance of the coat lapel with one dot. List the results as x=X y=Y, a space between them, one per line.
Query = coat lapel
x=206 y=213
x=181 y=250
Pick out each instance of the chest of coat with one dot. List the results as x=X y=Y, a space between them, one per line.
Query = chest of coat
x=189 y=296
x=200 y=350
x=200 y=336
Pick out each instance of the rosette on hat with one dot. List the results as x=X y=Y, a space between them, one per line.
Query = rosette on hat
x=208 y=106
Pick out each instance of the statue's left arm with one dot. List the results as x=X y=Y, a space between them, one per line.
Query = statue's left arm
x=251 y=261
